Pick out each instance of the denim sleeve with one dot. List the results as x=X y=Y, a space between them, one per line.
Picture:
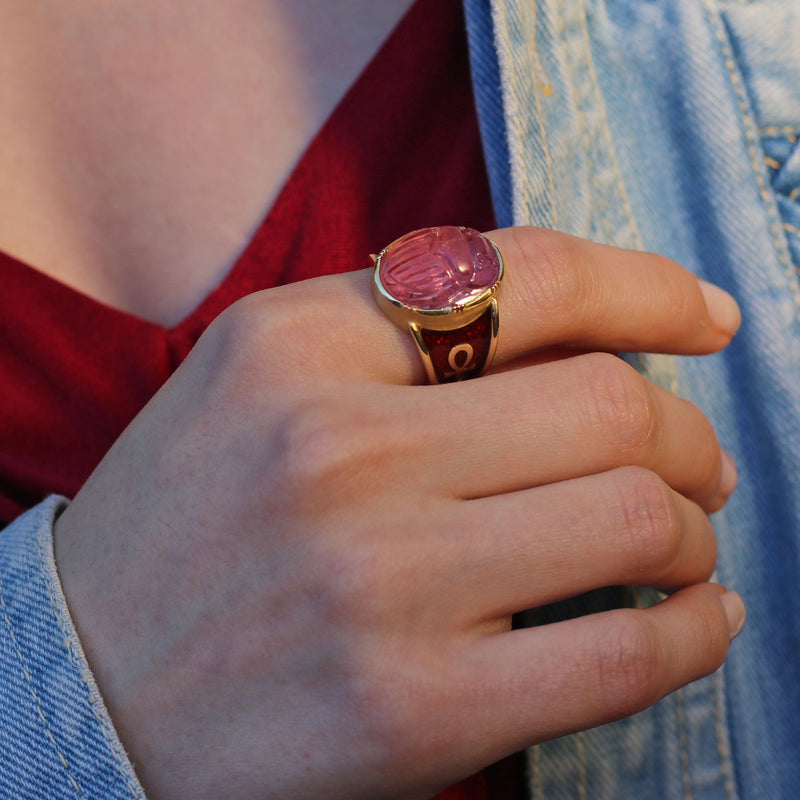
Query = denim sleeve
x=56 y=738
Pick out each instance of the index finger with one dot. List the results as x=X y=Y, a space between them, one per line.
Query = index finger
x=562 y=290
x=557 y=290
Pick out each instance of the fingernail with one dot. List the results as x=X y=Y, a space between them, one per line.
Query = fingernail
x=729 y=475
x=722 y=308
x=735 y=612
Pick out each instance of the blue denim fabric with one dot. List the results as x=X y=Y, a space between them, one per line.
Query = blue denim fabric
x=673 y=126
x=56 y=739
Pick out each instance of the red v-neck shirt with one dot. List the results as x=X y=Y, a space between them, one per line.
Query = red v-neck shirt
x=401 y=151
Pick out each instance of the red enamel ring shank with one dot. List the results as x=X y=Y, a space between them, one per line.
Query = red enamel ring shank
x=441 y=285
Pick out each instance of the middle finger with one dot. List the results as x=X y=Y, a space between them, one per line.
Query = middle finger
x=563 y=420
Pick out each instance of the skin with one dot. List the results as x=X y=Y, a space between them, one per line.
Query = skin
x=294 y=573
x=144 y=142
x=313 y=565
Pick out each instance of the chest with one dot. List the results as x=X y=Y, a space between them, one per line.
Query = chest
x=144 y=142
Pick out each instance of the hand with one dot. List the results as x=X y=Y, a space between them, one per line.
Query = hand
x=294 y=573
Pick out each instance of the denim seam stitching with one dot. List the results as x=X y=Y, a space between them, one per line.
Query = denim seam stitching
x=77 y=662
x=789 y=131
x=533 y=47
x=582 y=776
x=623 y=193
x=587 y=144
x=548 y=156
x=505 y=49
x=683 y=744
x=535 y=760
x=501 y=23
x=32 y=689
x=749 y=127
x=787 y=226
x=719 y=730
x=667 y=361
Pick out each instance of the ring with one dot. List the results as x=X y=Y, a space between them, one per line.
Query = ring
x=441 y=284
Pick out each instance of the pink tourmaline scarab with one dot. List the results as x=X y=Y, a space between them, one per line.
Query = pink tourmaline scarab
x=439 y=268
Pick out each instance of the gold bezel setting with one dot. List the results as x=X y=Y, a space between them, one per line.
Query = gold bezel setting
x=448 y=318
x=455 y=342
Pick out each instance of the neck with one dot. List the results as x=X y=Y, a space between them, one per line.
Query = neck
x=145 y=141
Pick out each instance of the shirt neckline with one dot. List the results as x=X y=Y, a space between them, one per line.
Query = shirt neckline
x=216 y=299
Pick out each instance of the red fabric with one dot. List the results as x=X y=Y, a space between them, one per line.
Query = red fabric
x=474 y=788
x=401 y=151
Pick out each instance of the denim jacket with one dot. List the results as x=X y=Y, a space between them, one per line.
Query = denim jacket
x=666 y=125
x=57 y=741
x=672 y=126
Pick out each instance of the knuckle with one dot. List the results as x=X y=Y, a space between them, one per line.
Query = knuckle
x=390 y=719
x=714 y=635
x=628 y=661
x=343 y=590
x=405 y=703
x=389 y=687
x=242 y=322
x=315 y=448
x=244 y=339
x=266 y=334
x=620 y=407
x=706 y=455
x=556 y=277
x=649 y=521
